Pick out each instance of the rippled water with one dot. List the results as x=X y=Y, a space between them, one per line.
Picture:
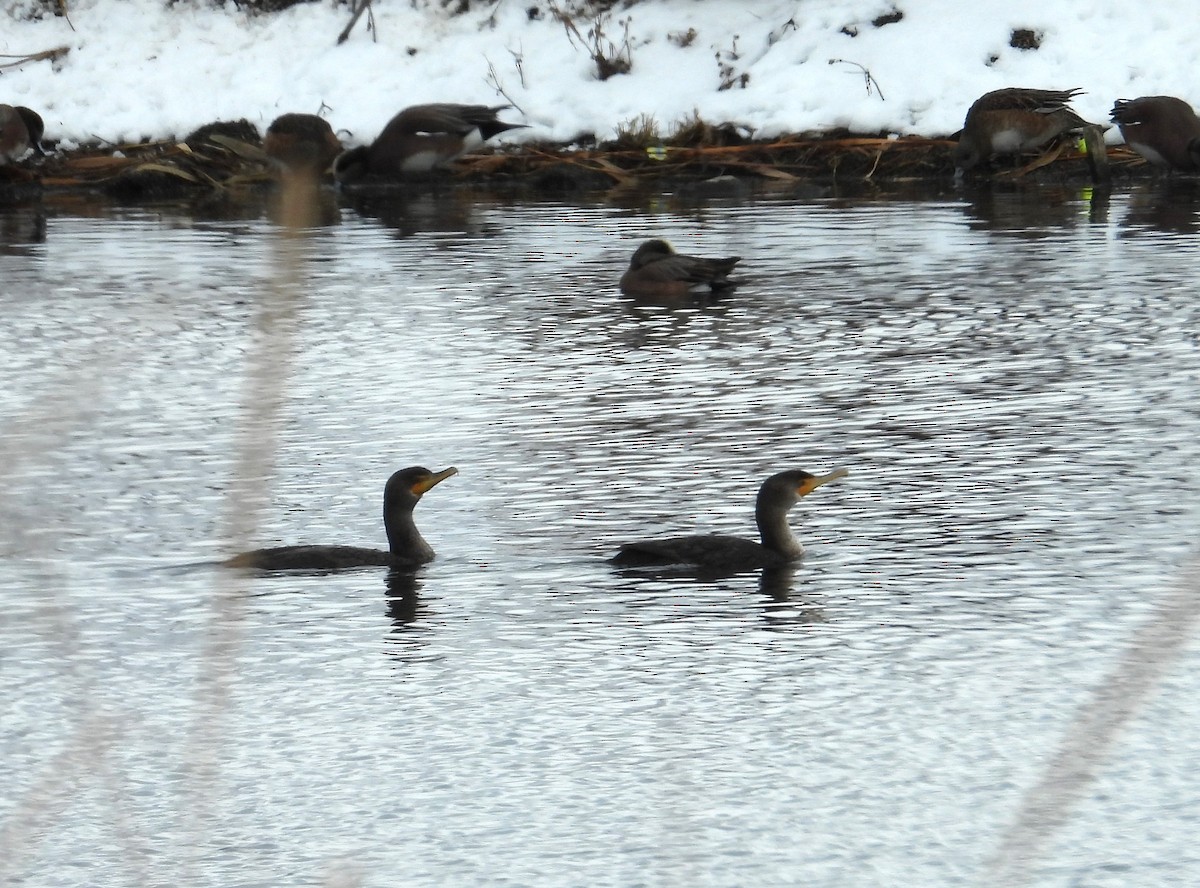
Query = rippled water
x=1010 y=376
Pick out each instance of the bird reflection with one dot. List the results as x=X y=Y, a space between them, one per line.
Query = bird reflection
x=783 y=608
x=414 y=209
x=300 y=201
x=21 y=227
x=638 y=303
x=403 y=602
x=1170 y=204
x=776 y=582
x=780 y=604
x=1036 y=211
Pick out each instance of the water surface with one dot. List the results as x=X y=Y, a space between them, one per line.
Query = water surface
x=1010 y=376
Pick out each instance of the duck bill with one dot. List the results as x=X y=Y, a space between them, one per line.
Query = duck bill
x=816 y=481
x=433 y=480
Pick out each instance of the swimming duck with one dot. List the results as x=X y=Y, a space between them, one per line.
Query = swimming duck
x=657 y=270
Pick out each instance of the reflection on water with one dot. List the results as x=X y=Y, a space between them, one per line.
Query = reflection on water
x=1008 y=373
x=427 y=211
x=1017 y=211
x=403 y=602
x=1170 y=204
x=1167 y=205
x=21 y=226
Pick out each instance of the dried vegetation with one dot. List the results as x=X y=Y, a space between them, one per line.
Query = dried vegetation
x=588 y=26
x=227 y=156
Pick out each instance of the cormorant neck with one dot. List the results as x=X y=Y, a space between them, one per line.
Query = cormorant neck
x=774 y=530
x=404 y=540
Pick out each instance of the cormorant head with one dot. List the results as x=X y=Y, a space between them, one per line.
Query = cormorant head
x=406 y=487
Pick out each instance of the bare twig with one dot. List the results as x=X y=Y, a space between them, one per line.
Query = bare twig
x=62 y=10
x=725 y=67
x=871 y=83
x=1134 y=680
x=519 y=64
x=777 y=35
x=493 y=79
x=360 y=7
x=269 y=368
x=52 y=55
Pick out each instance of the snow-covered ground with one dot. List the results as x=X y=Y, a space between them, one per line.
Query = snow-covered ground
x=145 y=69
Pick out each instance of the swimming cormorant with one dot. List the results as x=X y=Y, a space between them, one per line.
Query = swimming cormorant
x=406 y=546
x=727 y=553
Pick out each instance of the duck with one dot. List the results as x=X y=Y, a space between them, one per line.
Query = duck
x=777 y=547
x=1014 y=120
x=423 y=138
x=657 y=270
x=406 y=547
x=1163 y=129
x=21 y=130
x=302 y=143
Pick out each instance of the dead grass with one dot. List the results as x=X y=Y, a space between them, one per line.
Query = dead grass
x=611 y=55
x=643 y=151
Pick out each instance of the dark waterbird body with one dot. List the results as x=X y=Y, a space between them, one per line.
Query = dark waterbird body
x=21 y=131
x=657 y=270
x=302 y=143
x=406 y=546
x=1015 y=120
x=715 y=552
x=420 y=138
x=1163 y=129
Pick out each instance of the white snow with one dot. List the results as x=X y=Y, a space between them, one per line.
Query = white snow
x=142 y=69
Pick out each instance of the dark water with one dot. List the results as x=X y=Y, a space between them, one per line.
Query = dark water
x=1010 y=377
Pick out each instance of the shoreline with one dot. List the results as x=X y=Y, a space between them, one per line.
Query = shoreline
x=204 y=162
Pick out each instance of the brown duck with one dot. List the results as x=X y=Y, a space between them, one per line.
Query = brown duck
x=1014 y=120
x=1163 y=129
x=302 y=143
x=657 y=270
x=21 y=131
